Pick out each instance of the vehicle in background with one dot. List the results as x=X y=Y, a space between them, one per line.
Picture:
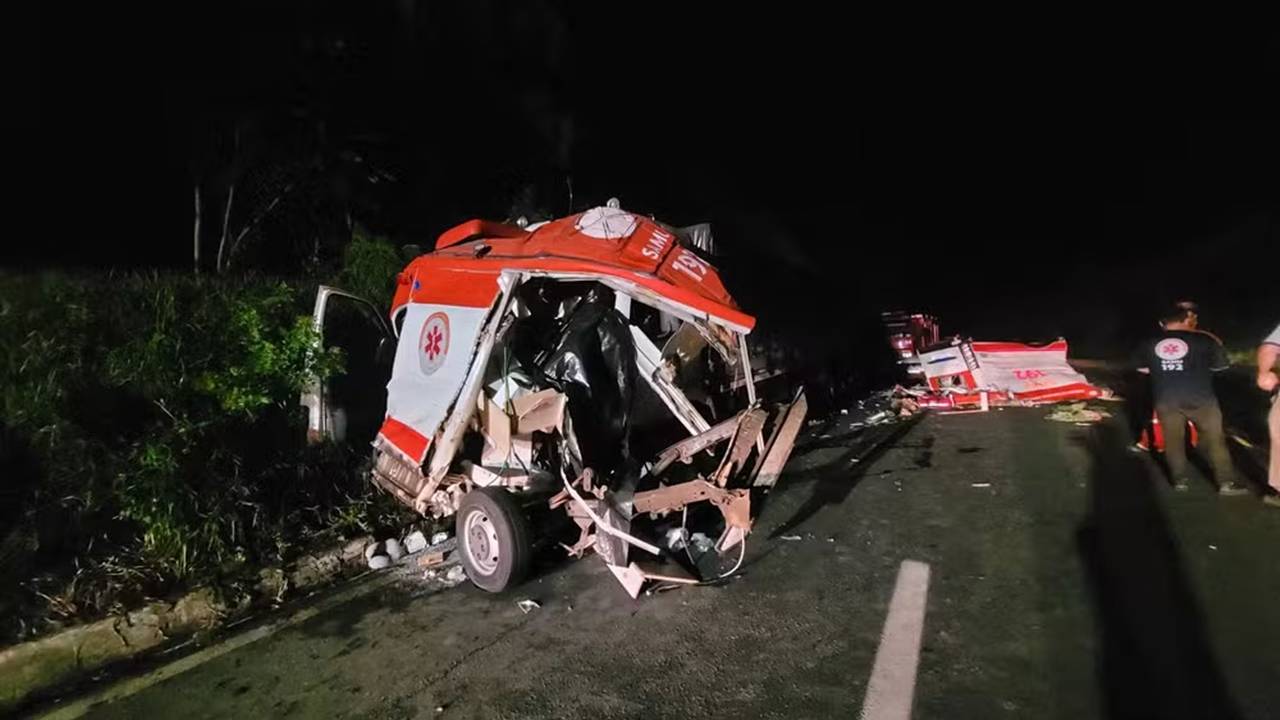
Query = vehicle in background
x=909 y=334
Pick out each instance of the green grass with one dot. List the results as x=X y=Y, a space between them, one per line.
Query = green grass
x=151 y=440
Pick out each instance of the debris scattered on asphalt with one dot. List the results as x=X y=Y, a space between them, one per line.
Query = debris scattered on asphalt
x=790 y=538
x=1213 y=547
x=527 y=606
x=431 y=559
x=907 y=406
x=881 y=408
x=879 y=417
x=1241 y=441
x=1077 y=413
x=439 y=537
x=455 y=575
x=980 y=485
x=415 y=542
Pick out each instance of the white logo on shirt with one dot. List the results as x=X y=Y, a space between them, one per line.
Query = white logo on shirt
x=1171 y=351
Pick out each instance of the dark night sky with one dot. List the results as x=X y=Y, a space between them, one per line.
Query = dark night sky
x=1014 y=173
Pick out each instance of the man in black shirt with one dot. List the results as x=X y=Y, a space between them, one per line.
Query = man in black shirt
x=1181 y=362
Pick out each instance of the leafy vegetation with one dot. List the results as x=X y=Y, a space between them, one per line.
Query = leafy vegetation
x=151 y=439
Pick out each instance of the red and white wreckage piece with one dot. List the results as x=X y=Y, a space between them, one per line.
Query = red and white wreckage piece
x=594 y=365
x=970 y=374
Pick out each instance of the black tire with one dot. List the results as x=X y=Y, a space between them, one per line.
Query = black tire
x=486 y=515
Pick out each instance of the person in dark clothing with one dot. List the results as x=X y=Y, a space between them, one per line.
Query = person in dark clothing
x=1181 y=362
x=1269 y=381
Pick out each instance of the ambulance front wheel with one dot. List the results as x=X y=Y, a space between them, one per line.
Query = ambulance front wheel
x=494 y=539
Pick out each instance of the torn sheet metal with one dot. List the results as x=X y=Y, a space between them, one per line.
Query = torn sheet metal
x=607 y=526
x=746 y=436
x=515 y=376
x=437 y=345
x=734 y=504
x=786 y=427
x=459 y=417
x=658 y=375
x=684 y=450
x=392 y=473
x=636 y=252
x=958 y=375
x=631 y=577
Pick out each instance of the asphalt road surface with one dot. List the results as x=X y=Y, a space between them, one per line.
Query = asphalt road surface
x=1065 y=581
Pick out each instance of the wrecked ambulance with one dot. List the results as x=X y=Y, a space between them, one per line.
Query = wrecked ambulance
x=968 y=373
x=593 y=365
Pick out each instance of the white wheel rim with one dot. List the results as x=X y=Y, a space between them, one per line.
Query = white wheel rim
x=482 y=542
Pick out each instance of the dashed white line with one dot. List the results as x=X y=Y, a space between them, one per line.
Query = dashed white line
x=891 y=689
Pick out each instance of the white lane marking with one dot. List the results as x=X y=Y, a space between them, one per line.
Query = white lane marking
x=891 y=689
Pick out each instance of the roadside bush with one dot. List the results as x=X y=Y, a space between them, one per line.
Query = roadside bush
x=151 y=439
x=370 y=264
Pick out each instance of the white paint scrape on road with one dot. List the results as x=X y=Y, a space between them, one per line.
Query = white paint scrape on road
x=891 y=690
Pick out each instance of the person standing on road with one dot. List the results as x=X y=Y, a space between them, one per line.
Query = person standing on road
x=1268 y=354
x=1181 y=362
